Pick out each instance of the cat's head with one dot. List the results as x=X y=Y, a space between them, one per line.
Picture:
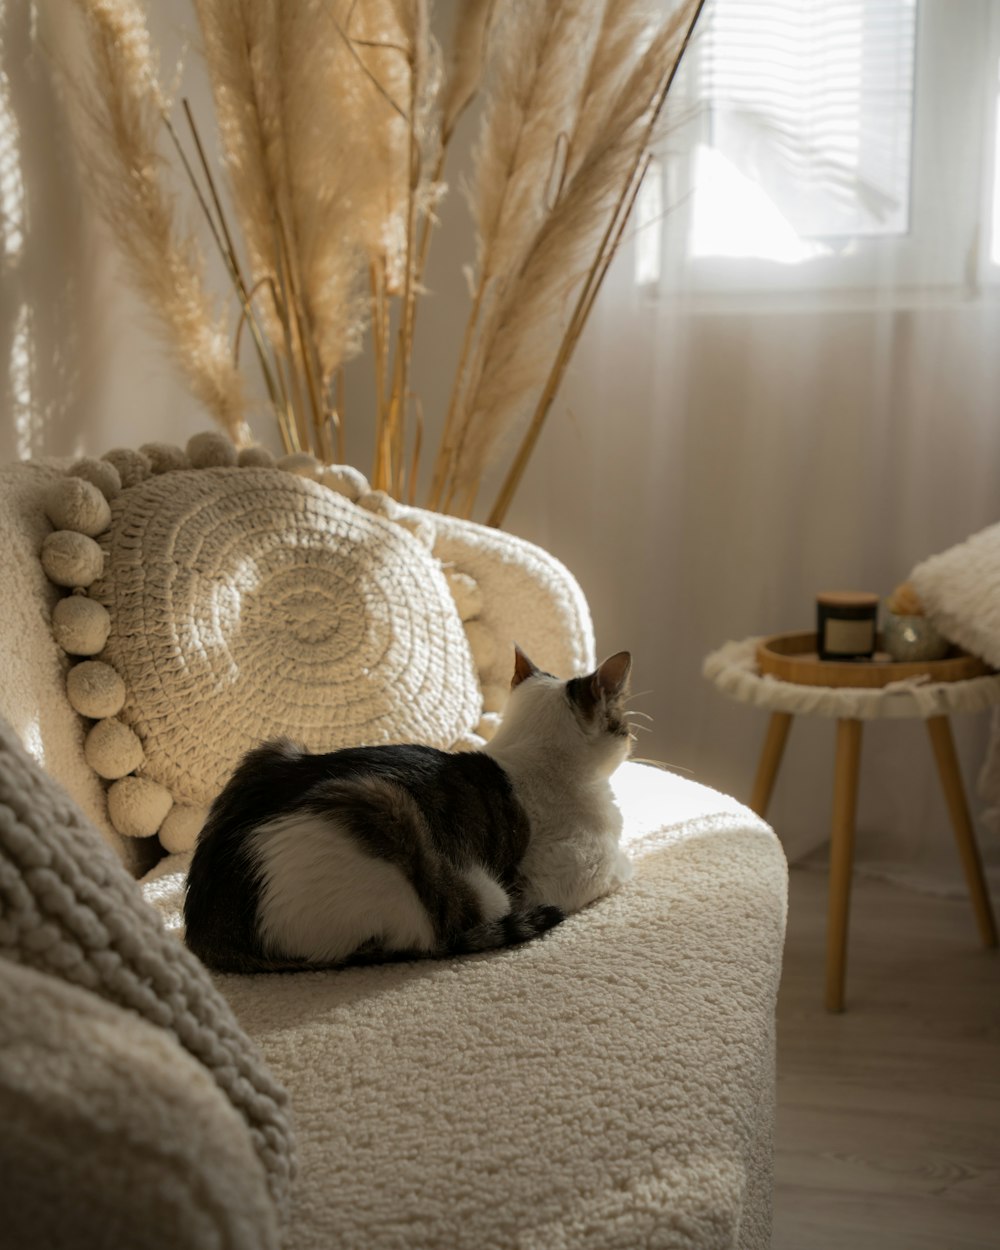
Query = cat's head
x=585 y=714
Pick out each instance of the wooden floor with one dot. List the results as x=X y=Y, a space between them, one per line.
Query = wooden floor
x=888 y=1133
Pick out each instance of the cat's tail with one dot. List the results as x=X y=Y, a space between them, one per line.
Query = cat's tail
x=509 y=930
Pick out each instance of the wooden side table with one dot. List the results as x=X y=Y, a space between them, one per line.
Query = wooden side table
x=784 y=674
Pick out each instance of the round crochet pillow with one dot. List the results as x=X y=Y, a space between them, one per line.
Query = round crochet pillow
x=249 y=604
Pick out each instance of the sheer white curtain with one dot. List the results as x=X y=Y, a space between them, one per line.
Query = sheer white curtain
x=807 y=398
x=798 y=389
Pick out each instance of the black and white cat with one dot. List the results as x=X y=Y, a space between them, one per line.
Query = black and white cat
x=405 y=851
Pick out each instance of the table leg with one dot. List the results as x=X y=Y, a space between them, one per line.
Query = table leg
x=770 y=761
x=845 y=794
x=939 y=729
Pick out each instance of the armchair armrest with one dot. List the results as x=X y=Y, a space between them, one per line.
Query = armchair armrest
x=529 y=597
x=33 y=668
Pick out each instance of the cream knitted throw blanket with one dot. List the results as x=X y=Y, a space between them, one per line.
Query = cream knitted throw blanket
x=69 y=909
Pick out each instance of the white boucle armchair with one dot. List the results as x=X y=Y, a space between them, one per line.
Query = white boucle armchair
x=611 y=1085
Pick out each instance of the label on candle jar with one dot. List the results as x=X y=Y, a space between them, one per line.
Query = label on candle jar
x=848 y=637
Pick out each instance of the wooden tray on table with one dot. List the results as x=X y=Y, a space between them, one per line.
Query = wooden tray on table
x=794 y=658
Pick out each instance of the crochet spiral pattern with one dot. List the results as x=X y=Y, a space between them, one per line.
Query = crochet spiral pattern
x=246 y=605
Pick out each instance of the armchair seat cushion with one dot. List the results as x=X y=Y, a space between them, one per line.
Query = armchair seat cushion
x=608 y=1085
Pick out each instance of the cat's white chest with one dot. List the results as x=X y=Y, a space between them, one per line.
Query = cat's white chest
x=574 y=856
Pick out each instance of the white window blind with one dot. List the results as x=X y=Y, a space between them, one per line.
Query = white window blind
x=808 y=123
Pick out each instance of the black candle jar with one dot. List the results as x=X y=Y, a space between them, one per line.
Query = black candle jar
x=846 y=625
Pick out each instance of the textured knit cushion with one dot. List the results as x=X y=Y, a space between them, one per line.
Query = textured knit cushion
x=69 y=909
x=960 y=589
x=114 y=1136
x=249 y=603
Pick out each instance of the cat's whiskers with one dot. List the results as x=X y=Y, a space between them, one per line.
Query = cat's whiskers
x=663 y=766
x=627 y=716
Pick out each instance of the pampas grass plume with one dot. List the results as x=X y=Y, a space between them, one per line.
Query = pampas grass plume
x=465 y=67
x=118 y=129
x=334 y=125
x=517 y=346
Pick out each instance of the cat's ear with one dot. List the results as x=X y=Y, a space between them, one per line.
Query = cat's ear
x=611 y=678
x=523 y=667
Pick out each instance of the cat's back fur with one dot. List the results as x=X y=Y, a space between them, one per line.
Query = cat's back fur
x=356 y=852
x=372 y=852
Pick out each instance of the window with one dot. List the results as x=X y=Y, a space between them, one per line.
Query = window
x=809 y=109
x=832 y=145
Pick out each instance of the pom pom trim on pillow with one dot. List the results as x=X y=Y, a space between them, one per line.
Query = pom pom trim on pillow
x=74 y=557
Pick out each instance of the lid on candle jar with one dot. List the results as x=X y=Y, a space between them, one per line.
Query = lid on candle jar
x=847 y=599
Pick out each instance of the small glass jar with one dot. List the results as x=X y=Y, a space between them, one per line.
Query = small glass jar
x=913 y=639
x=846 y=623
